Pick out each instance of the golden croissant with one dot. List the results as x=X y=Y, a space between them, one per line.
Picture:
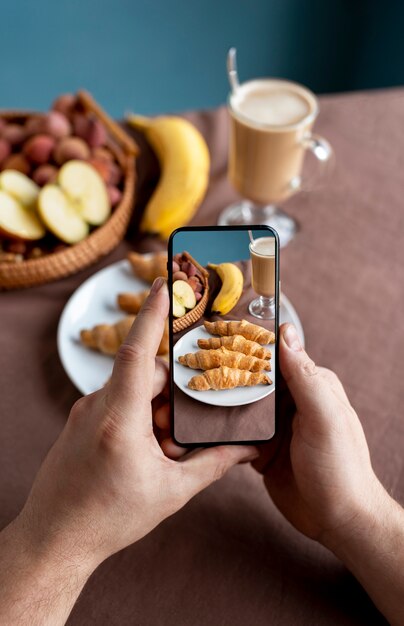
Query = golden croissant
x=252 y=332
x=209 y=359
x=148 y=267
x=227 y=378
x=237 y=343
x=131 y=302
x=107 y=338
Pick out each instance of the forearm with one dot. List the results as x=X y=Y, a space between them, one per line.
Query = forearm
x=373 y=550
x=39 y=584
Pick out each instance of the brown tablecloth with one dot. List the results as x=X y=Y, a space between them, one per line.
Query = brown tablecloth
x=197 y=422
x=229 y=557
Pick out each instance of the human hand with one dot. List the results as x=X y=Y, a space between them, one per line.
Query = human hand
x=318 y=472
x=106 y=482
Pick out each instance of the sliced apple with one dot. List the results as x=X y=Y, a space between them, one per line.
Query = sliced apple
x=20 y=187
x=183 y=298
x=18 y=221
x=60 y=215
x=86 y=190
x=178 y=309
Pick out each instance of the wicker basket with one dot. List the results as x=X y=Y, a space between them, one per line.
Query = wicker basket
x=181 y=323
x=101 y=240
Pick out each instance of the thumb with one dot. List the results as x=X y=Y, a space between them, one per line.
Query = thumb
x=205 y=466
x=300 y=373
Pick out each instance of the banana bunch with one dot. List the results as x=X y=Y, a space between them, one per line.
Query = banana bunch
x=184 y=161
x=231 y=289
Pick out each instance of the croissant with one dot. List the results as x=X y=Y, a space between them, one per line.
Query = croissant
x=253 y=332
x=227 y=378
x=107 y=338
x=237 y=343
x=208 y=359
x=131 y=302
x=148 y=267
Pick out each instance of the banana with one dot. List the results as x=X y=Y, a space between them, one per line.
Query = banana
x=185 y=162
x=231 y=290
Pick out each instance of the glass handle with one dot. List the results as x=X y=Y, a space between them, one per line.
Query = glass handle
x=319 y=146
x=323 y=152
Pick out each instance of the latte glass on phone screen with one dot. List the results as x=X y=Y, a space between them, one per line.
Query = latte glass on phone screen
x=223 y=351
x=262 y=252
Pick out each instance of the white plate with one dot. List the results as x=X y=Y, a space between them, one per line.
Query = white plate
x=94 y=302
x=225 y=397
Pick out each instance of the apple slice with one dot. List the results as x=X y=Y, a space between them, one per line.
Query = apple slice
x=184 y=294
x=60 y=215
x=86 y=190
x=20 y=187
x=17 y=221
x=178 y=309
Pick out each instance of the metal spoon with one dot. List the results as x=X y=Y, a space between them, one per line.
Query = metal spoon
x=232 y=69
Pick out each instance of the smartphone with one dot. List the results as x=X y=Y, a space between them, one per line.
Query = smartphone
x=224 y=309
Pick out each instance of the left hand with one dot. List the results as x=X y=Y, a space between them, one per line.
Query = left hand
x=106 y=482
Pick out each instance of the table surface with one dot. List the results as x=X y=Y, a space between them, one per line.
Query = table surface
x=229 y=557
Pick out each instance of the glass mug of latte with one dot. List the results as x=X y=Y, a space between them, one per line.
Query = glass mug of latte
x=262 y=253
x=270 y=131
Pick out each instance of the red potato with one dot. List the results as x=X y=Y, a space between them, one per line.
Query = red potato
x=66 y=103
x=2 y=123
x=115 y=174
x=198 y=296
x=180 y=276
x=5 y=150
x=177 y=258
x=56 y=125
x=96 y=134
x=185 y=265
x=17 y=247
x=15 y=134
x=45 y=174
x=71 y=148
x=17 y=162
x=176 y=267
x=80 y=125
x=38 y=149
x=102 y=168
x=195 y=284
x=103 y=154
x=114 y=195
x=34 y=125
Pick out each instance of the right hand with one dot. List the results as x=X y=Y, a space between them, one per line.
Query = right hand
x=320 y=477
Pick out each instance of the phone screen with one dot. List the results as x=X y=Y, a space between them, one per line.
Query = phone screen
x=224 y=294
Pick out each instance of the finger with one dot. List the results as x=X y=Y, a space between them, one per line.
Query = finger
x=312 y=392
x=162 y=417
x=210 y=464
x=171 y=449
x=132 y=379
x=160 y=376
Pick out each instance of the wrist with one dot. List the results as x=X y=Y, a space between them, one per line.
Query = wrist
x=367 y=520
x=51 y=553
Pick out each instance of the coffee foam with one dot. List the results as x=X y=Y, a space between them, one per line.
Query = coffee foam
x=264 y=246
x=272 y=102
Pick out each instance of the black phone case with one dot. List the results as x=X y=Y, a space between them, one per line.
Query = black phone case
x=170 y=321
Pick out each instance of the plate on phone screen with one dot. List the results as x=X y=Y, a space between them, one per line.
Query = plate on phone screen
x=94 y=302
x=222 y=397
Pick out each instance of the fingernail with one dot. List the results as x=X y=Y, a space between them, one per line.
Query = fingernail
x=292 y=338
x=157 y=285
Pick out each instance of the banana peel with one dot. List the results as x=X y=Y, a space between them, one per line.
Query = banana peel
x=184 y=161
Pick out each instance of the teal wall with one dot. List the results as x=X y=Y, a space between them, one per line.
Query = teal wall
x=169 y=55
x=216 y=246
